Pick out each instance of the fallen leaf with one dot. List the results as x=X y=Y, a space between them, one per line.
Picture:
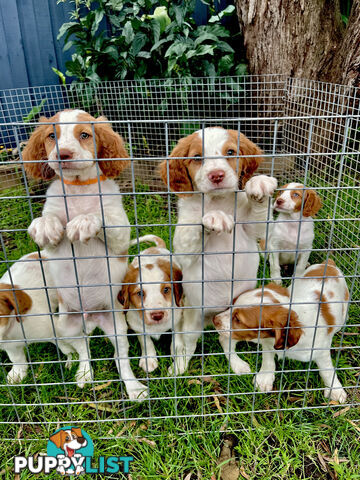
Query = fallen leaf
x=217 y=403
x=17 y=477
x=125 y=427
x=103 y=385
x=146 y=440
x=103 y=408
x=341 y=412
x=322 y=462
x=194 y=381
x=354 y=425
x=295 y=399
x=243 y=473
x=188 y=476
x=229 y=469
x=19 y=433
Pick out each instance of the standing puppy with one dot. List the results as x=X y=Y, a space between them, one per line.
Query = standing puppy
x=152 y=294
x=293 y=229
x=318 y=311
x=78 y=221
x=221 y=223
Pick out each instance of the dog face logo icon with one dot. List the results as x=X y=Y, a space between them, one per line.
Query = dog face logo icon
x=70 y=445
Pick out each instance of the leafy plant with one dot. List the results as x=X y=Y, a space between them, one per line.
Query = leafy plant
x=116 y=39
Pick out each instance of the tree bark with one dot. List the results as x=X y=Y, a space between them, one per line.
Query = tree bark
x=301 y=38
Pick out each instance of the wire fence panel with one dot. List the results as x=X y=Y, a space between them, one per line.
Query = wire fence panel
x=309 y=133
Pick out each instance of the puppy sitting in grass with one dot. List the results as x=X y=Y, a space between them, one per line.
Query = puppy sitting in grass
x=152 y=295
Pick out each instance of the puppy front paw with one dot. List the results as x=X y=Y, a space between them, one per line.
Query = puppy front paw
x=149 y=364
x=260 y=187
x=83 y=227
x=218 y=221
x=137 y=391
x=336 y=394
x=264 y=382
x=46 y=230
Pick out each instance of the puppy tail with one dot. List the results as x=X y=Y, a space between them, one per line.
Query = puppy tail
x=159 y=242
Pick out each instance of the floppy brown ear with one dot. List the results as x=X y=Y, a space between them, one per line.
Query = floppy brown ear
x=77 y=432
x=312 y=203
x=57 y=438
x=16 y=299
x=249 y=165
x=110 y=145
x=123 y=296
x=35 y=150
x=294 y=329
x=177 y=287
x=179 y=178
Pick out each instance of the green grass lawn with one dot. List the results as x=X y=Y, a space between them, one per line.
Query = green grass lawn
x=178 y=433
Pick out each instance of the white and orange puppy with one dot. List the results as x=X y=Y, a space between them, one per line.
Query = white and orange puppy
x=83 y=215
x=231 y=220
x=293 y=230
x=25 y=313
x=152 y=295
x=318 y=311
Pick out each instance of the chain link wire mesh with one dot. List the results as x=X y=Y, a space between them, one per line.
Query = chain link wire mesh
x=310 y=133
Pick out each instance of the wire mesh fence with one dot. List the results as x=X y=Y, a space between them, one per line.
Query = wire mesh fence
x=309 y=133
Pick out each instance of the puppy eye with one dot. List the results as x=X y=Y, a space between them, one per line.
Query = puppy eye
x=67 y=438
x=84 y=135
x=166 y=290
x=230 y=152
x=52 y=136
x=296 y=195
x=197 y=158
x=138 y=293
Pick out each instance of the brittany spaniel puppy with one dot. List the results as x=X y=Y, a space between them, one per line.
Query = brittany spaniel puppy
x=216 y=235
x=318 y=311
x=152 y=299
x=79 y=222
x=284 y=232
x=24 y=313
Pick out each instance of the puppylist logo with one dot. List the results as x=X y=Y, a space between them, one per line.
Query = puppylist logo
x=70 y=451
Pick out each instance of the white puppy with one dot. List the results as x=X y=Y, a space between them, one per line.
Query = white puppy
x=152 y=296
x=318 y=311
x=25 y=313
x=216 y=235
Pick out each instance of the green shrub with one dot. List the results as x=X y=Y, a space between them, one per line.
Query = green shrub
x=115 y=39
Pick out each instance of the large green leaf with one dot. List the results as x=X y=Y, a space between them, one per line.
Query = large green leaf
x=128 y=32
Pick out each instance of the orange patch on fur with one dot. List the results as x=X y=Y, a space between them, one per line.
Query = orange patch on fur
x=167 y=268
x=325 y=310
x=324 y=272
x=274 y=320
x=13 y=299
x=278 y=289
x=267 y=295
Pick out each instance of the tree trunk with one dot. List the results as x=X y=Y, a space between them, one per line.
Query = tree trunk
x=301 y=38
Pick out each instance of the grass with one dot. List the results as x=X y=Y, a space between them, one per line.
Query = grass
x=279 y=441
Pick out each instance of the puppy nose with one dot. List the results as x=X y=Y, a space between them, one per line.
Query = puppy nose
x=81 y=440
x=65 y=154
x=279 y=201
x=157 y=316
x=216 y=176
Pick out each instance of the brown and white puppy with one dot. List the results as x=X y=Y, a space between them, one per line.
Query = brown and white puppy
x=24 y=313
x=152 y=295
x=318 y=311
x=83 y=215
x=291 y=236
x=214 y=222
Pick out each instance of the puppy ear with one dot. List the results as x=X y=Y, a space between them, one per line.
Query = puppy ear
x=35 y=150
x=177 y=287
x=179 y=178
x=110 y=145
x=57 y=437
x=123 y=296
x=77 y=432
x=248 y=165
x=280 y=328
x=312 y=203
x=17 y=300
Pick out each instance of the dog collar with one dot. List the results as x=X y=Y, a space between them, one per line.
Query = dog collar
x=91 y=181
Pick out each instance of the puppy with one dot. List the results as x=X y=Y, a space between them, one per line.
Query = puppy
x=152 y=295
x=69 y=441
x=25 y=313
x=318 y=311
x=217 y=230
x=79 y=222
x=293 y=230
